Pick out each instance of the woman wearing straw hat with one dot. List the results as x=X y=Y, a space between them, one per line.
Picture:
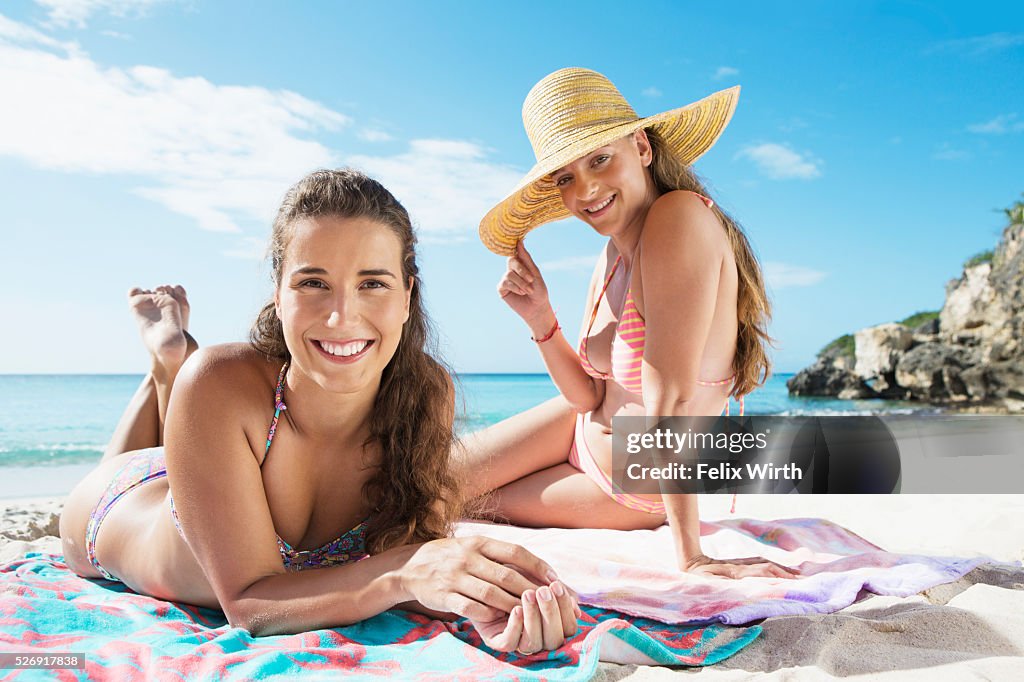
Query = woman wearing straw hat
x=675 y=317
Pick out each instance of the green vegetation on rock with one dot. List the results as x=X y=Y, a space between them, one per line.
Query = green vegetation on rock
x=1015 y=214
x=979 y=258
x=917 y=319
x=844 y=344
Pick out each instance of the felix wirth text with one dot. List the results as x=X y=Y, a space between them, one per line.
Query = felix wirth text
x=666 y=440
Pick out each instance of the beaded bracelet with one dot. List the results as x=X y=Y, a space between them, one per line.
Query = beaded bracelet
x=547 y=336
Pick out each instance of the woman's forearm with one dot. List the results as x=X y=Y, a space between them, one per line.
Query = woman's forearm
x=684 y=519
x=682 y=509
x=582 y=391
x=321 y=598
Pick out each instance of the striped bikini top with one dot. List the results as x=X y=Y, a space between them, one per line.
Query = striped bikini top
x=628 y=342
x=627 y=345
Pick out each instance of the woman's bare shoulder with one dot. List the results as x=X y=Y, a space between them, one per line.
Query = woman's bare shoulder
x=235 y=369
x=680 y=219
x=680 y=207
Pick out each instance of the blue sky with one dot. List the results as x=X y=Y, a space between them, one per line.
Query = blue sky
x=149 y=141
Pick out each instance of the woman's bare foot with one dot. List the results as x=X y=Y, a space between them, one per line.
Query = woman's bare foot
x=178 y=293
x=162 y=323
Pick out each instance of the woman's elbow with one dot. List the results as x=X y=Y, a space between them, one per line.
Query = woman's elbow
x=244 y=614
x=257 y=625
x=670 y=403
x=240 y=617
x=242 y=622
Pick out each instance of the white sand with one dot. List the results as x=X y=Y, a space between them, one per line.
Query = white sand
x=29 y=525
x=970 y=629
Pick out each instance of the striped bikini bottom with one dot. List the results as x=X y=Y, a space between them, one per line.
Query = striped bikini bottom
x=581 y=458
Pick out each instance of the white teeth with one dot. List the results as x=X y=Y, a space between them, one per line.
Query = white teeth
x=344 y=349
x=595 y=209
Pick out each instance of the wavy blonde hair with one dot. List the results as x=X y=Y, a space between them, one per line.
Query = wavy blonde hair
x=414 y=492
x=753 y=310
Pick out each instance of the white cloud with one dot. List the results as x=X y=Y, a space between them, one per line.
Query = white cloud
x=651 y=92
x=570 y=264
x=1004 y=123
x=948 y=153
x=248 y=248
x=783 y=275
x=779 y=162
x=372 y=135
x=724 y=72
x=221 y=155
x=440 y=239
x=793 y=124
x=452 y=149
x=447 y=185
x=981 y=45
x=11 y=32
x=77 y=12
x=215 y=153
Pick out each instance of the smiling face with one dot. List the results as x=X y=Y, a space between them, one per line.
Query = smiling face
x=610 y=188
x=342 y=300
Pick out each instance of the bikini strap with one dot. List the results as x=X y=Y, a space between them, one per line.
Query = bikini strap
x=732 y=509
x=708 y=201
x=597 y=303
x=278 y=406
x=742 y=407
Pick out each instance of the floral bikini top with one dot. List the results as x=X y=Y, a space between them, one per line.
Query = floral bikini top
x=349 y=547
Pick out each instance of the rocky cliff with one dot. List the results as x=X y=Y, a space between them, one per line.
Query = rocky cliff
x=972 y=353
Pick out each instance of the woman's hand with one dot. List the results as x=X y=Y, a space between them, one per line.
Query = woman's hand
x=546 y=618
x=749 y=567
x=523 y=289
x=475 y=577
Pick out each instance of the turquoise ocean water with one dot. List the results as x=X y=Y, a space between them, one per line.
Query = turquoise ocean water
x=62 y=420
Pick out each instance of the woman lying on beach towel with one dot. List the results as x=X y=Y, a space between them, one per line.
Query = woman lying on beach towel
x=322 y=444
x=675 y=319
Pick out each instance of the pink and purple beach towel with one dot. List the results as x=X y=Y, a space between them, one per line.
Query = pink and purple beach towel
x=637 y=609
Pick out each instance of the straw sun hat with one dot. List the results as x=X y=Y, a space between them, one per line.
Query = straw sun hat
x=569 y=114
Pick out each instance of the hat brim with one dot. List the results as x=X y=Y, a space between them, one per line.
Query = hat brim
x=689 y=132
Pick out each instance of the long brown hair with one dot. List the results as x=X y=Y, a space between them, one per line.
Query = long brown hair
x=753 y=310
x=414 y=491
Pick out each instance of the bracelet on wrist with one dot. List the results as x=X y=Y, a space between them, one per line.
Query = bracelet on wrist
x=547 y=337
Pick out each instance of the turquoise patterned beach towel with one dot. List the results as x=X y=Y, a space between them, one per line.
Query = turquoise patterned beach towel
x=45 y=608
x=627 y=581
